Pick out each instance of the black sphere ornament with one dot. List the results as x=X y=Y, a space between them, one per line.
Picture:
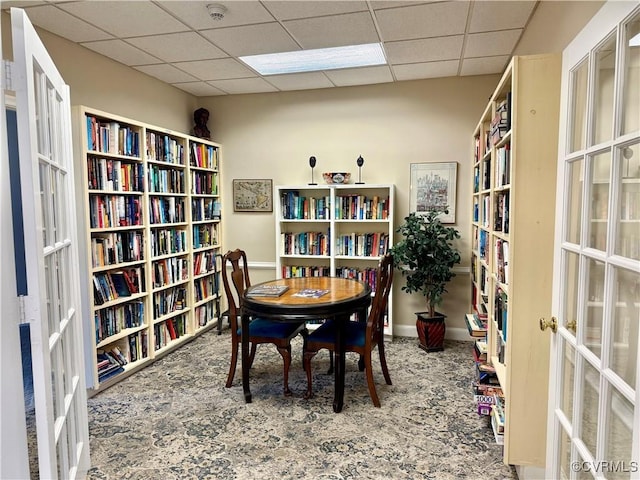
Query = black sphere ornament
x=360 y=162
x=312 y=163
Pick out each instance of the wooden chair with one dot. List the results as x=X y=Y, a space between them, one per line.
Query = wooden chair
x=361 y=337
x=261 y=330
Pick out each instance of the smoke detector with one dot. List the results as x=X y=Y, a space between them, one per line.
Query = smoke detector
x=216 y=11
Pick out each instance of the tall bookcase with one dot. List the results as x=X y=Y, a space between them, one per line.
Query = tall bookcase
x=334 y=230
x=152 y=224
x=514 y=168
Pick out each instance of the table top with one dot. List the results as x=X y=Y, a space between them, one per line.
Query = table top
x=344 y=295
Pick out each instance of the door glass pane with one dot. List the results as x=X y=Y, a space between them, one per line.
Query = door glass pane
x=600 y=182
x=631 y=86
x=626 y=316
x=619 y=435
x=579 y=79
x=628 y=237
x=565 y=455
x=605 y=62
x=568 y=372
x=595 y=306
x=589 y=414
x=574 y=201
x=570 y=297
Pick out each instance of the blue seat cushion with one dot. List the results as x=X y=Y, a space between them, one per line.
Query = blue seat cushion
x=326 y=333
x=261 y=327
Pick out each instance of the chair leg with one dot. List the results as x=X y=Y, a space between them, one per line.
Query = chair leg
x=306 y=360
x=372 y=387
x=232 y=366
x=330 y=371
x=383 y=362
x=285 y=352
x=252 y=354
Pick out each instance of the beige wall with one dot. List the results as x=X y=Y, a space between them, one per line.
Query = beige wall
x=390 y=125
x=273 y=135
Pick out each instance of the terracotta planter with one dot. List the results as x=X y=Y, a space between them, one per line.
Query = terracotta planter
x=431 y=331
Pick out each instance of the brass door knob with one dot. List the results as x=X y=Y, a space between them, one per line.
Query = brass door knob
x=572 y=325
x=552 y=324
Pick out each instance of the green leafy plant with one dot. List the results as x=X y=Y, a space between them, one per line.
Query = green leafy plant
x=426 y=256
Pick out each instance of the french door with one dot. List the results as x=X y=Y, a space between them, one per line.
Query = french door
x=52 y=305
x=594 y=409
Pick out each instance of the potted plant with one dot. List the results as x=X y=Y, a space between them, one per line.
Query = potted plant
x=425 y=257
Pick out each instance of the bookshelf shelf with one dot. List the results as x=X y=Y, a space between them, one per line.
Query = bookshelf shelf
x=513 y=201
x=349 y=226
x=152 y=225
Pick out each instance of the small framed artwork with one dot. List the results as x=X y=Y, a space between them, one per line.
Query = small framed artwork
x=433 y=187
x=252 y=195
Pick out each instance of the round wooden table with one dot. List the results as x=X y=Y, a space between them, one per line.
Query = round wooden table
x=343 y=298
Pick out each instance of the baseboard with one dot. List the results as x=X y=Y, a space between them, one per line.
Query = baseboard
x=528 y=472
x=453 y=333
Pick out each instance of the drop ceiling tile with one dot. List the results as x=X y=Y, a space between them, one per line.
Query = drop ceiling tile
x=425 y=50
x=300 y=81
x=63 y=24
x=244 y=85
x=217 y=69
x=167 y=73
x=333 y=31
x=176 y=47
x=252 y=39
x=195 y=14
x=121 y=52
x=360 y=76
x=415 y=71
x=484 y=65
x=493 y=15
x=7 y=4
x=125 y=19
x=491 y=43
x=422 y=21
x=199 y=89
x=289 y=10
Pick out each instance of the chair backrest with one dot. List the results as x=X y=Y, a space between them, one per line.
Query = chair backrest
x=384 y=279
x=238 y=276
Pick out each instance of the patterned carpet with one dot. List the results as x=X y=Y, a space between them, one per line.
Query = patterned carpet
x=176 y=420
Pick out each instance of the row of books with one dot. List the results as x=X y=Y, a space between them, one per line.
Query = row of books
x=203 y=209
x=204 y=262
x=110 y=363
x=204 y=156
x=501 y=121
x=112 y=137
x=112 y=320
x=165 y=180
x=296 y=207
x=304 y=243
x=204 y=313
x=163 y=148
x=366 y=275
x=501 y=212
x=166 y=210
x=362 y=244
x=167 y=241
x=501 y=313
x=204 y=183
x=205 y=287
x=112 y=285
x=114 y=175
x=169 y=271
x=503 y=165
x=117 y=247
x=295 y=271
x=170 y=300
x=502 y=260
x=361 y=207
x=205 y=235
x=108 y=211
x=171 y=329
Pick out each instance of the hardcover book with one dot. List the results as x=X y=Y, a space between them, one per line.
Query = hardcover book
x=267 y=290
x=310 y=293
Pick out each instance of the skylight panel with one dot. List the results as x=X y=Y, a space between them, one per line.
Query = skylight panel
x=315 y=60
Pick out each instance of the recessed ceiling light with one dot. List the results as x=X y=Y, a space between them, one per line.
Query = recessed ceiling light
x=318 y=59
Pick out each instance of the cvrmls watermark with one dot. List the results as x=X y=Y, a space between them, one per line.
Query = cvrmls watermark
x=604 y=466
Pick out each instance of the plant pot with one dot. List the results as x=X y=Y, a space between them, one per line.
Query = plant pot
x=431 y=331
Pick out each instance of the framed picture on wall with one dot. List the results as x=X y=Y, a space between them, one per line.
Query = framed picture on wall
x=433 y=187
x=252 y=195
